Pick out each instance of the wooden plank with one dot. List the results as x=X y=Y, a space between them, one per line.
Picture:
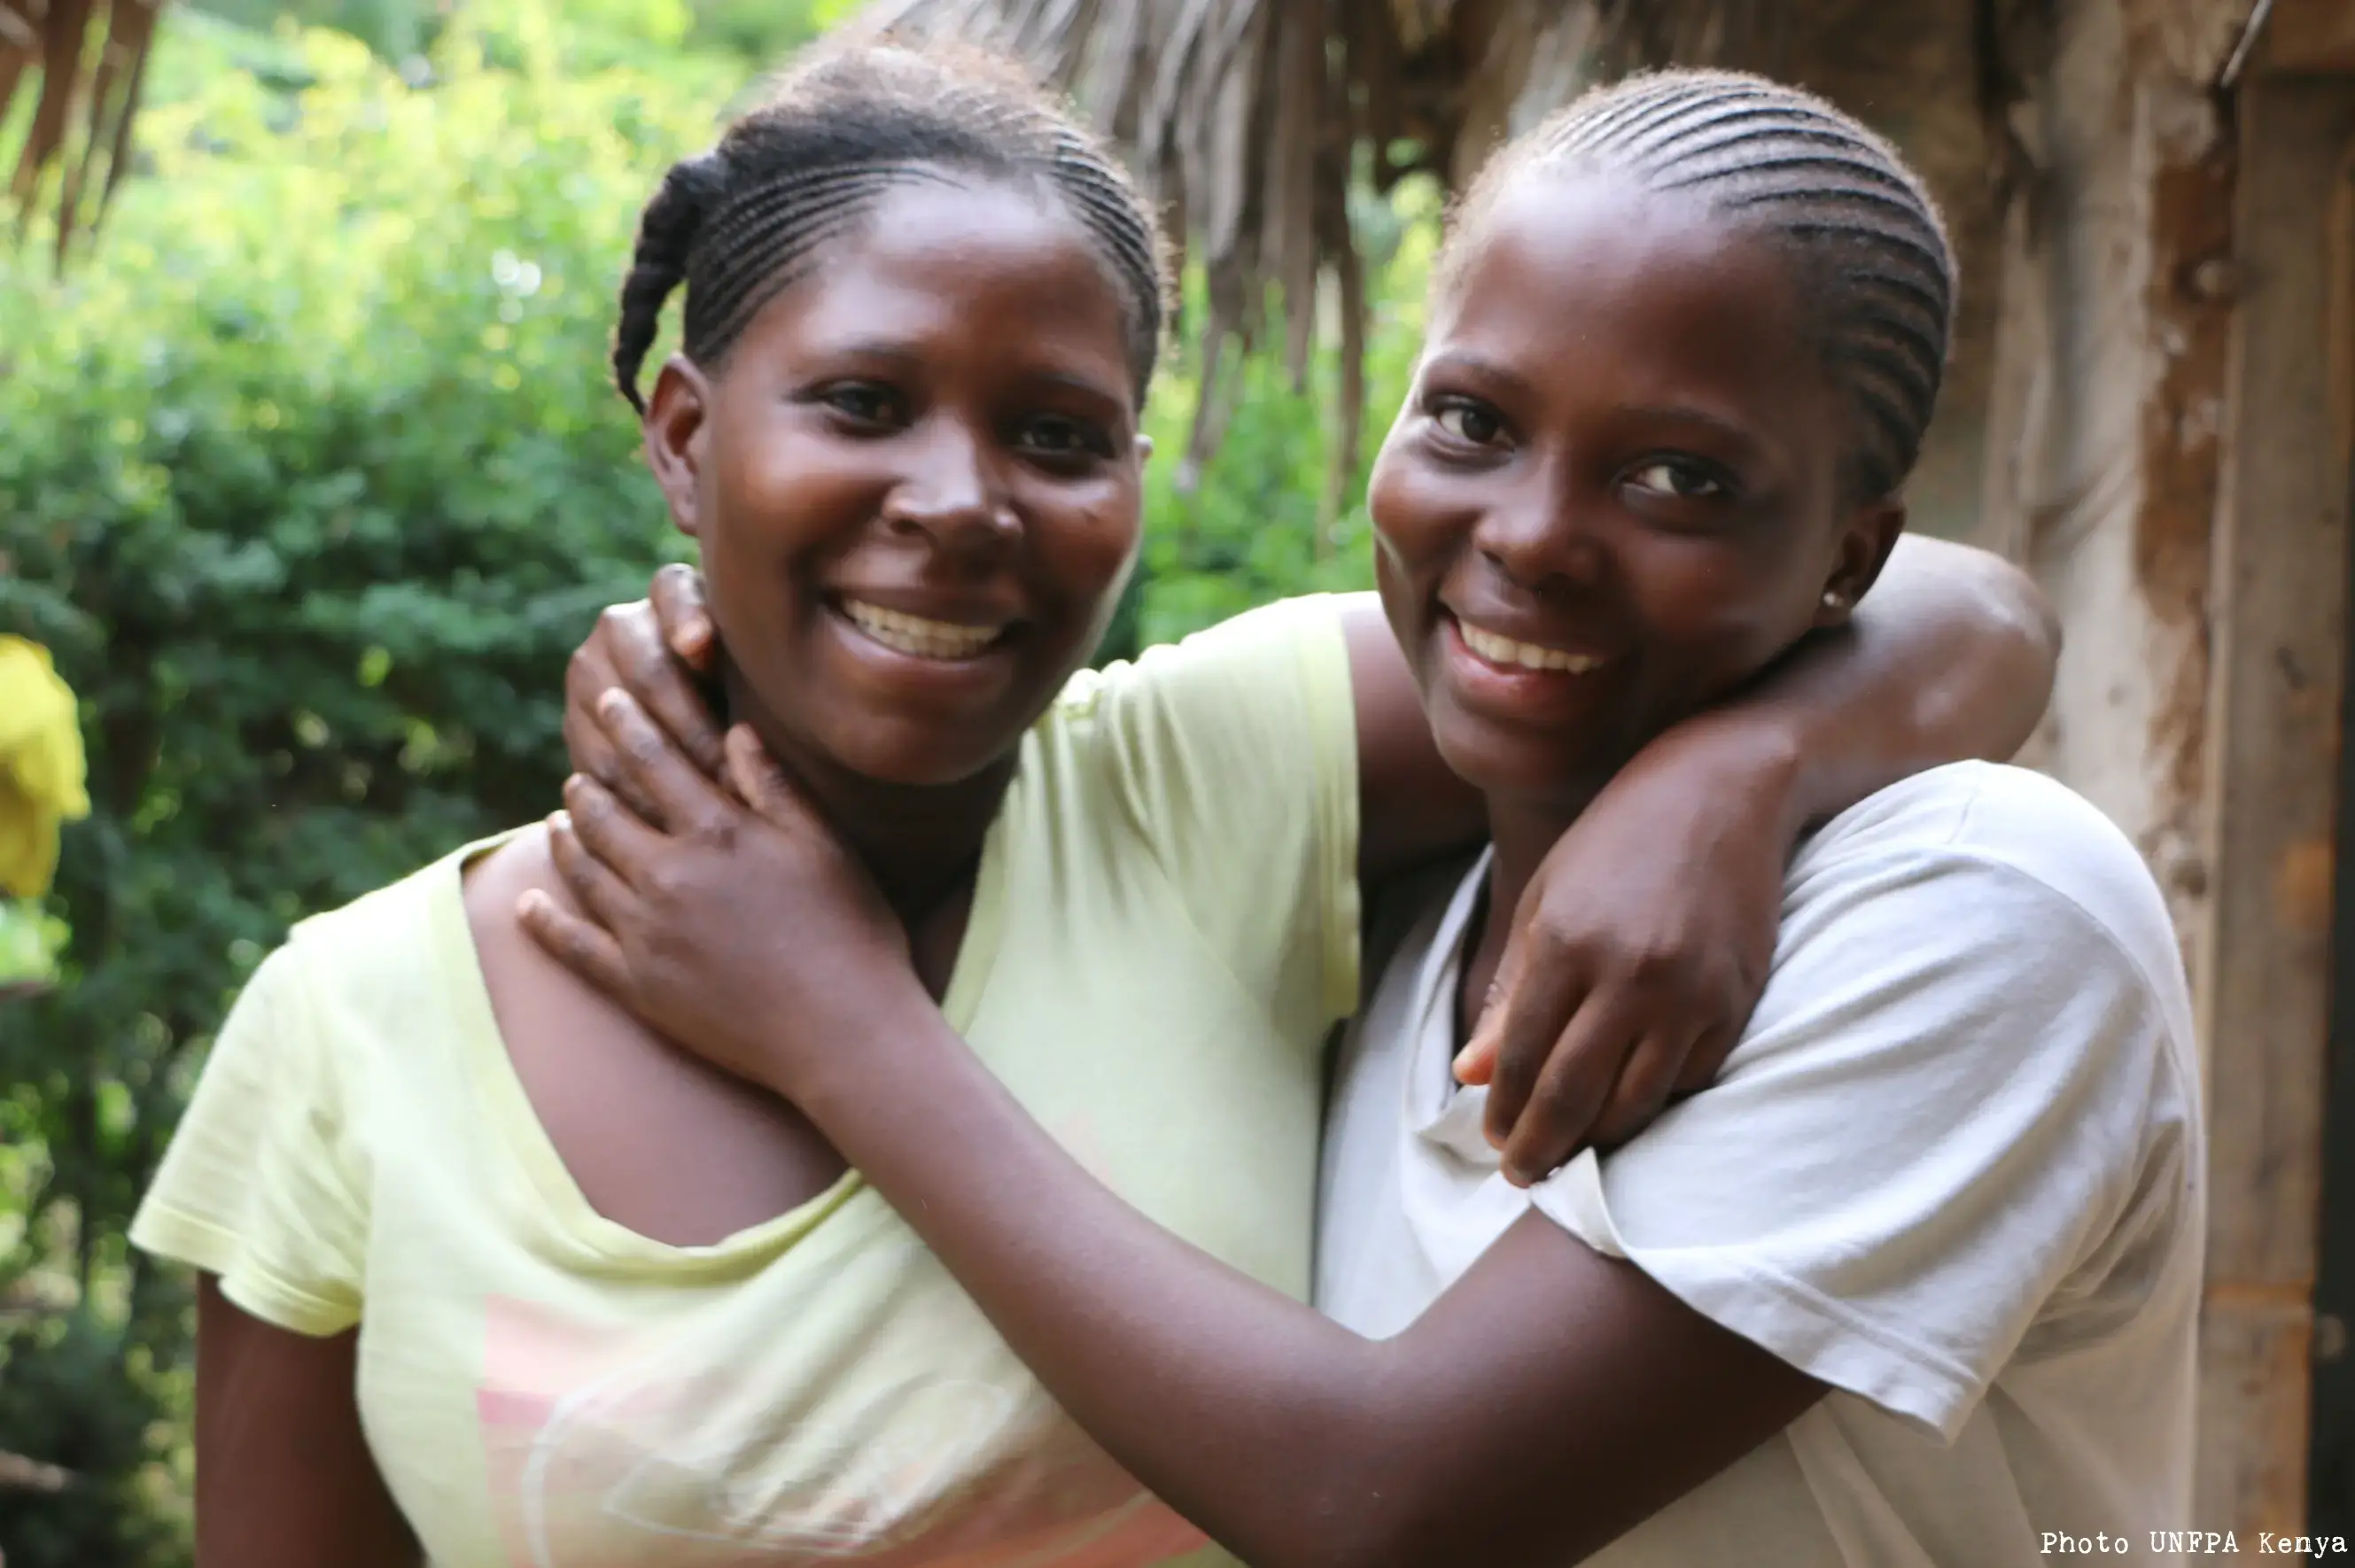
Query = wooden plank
x=2279 y=613
x=2311 y=35
x=2254 y=1414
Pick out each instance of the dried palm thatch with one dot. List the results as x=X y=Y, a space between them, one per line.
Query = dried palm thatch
x=89 y=58
x=1247 y=120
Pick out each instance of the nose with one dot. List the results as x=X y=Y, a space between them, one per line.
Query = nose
x=949 y=494
x=1543 y=536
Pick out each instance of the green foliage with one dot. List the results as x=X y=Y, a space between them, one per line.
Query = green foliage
x=313 y=479
x=1246 y=530
x=29 y=939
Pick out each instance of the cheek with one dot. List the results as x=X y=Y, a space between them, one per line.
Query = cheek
x=781 y=483
x=1421 y=519
x=1728 y=614
x=1085 y=541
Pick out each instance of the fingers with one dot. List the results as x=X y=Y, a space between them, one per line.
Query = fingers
x=1707 y=1058
x=594 y=887
x=610 y=830
x=759 y=783
x=633 y=643
x=575 y=943
x=1566 y=1093
x=1646 y=1080
x=650 y=766
x=1532 y=1002
x=588 y=677
x=1477 y=1063
x=676 y=594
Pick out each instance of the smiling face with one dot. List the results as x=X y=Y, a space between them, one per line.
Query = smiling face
x=1617 y=490
x=915 y=482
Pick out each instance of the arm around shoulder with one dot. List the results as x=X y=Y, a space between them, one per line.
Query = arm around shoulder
x=1971 y=1046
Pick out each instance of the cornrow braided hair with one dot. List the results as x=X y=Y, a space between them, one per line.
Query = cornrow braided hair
x=1873 y=260
x=741 y=222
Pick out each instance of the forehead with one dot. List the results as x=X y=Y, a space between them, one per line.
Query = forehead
x=1585 y=280
x=941 y=260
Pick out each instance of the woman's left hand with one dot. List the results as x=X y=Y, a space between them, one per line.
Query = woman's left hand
x=736 y=924
x=1638 y=951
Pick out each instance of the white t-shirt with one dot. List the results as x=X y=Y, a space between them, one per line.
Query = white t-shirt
x=1954 y=1169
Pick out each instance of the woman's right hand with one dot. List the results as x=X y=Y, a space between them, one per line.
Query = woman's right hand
x=658 y=649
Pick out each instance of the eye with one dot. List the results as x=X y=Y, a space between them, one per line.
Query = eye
x=1680 y=477
x=865 y=403
x=1061 y=439
x=1473 y=423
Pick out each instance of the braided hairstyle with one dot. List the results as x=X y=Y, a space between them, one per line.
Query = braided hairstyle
x=1871 y=257
x=741 y=222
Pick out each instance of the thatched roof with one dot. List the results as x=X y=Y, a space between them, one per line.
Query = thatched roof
x=1247 y=119
x=89 y=58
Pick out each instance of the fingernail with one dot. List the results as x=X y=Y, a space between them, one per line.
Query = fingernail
x=560 y=821
x=609 y=702
x=532 y=902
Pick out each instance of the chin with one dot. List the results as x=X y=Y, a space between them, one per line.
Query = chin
x=1506 y=762
x=916 y=756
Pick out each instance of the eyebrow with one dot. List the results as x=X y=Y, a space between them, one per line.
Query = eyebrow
x=1460 y=363
x=1457 y=362
x=1741 y=435
x=1114 y=393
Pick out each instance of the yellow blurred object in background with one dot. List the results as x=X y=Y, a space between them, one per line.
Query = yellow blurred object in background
x=41 y=767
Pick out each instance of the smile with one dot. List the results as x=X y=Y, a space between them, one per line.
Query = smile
x=917 y=635
x=1498 y=650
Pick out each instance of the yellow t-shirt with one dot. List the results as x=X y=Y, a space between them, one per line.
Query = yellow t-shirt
x=1163 y=928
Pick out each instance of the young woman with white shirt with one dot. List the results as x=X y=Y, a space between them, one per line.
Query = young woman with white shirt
x=1914 y=1282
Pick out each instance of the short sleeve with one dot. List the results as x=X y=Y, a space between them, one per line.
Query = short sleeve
x=1941 y=1110
x=257 y=1186
x=1236 y=754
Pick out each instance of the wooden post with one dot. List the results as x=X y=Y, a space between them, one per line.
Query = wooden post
x=2278 y=658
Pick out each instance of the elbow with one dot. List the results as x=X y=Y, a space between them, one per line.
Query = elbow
x=1369 y=1527
x=2021 y=634
x=2020 y=610
x=1382 y=1502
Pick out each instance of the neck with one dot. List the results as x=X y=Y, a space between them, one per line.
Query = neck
x=920 y=842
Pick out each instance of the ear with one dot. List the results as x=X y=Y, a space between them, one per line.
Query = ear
x=1865 y=541
x=675 y=423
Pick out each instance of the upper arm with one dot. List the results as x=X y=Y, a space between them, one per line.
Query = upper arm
x=1981 y=634
x=1561 y=1398
x=283 y=1474
x=264 y=1183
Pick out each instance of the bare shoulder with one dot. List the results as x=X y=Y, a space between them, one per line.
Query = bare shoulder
x=655 y=1139
x=495 y=882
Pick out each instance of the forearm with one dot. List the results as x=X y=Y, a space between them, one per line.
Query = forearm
x=1246 y=1411
x=1951 y=656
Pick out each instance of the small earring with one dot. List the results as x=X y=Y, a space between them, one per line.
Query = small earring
x=1832 y=601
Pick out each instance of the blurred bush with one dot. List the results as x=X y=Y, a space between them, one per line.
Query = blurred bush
x=313 y=478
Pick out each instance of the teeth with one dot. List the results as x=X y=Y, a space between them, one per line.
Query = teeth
x=915 y=635
x=1529 y=656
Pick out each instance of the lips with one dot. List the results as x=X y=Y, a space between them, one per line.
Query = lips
x=920 y=636
x=1513 y=654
